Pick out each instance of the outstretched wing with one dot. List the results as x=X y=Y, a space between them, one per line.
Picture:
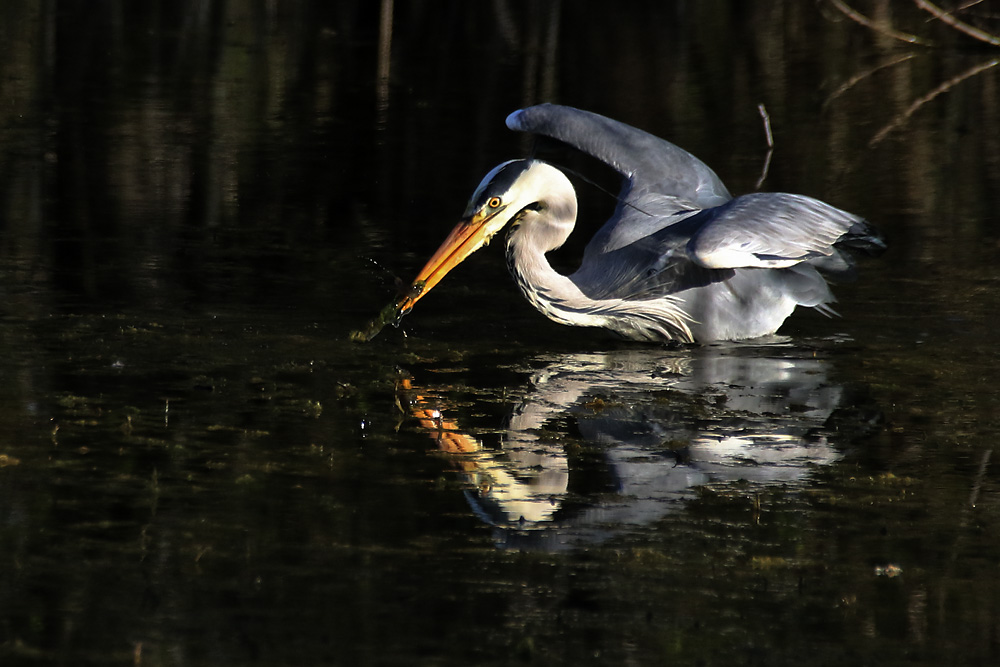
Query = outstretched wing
x=661 y=180
x=649 y=164
x=761 y=230
x=770 y=231
x=649 y=266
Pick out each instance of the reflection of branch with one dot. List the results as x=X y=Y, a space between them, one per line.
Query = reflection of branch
x=770 y=144
x=868 y=23
x=955 y=23
x=384 y=59
x=974 y=495
x=943 y=88
x=963 y=521
x=857 y=78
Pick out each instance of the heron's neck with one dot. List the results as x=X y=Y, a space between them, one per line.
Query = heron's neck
x=554 y=294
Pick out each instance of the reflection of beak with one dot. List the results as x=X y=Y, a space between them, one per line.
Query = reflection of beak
x=507 y=491
x=468 y=236
x=446 y=431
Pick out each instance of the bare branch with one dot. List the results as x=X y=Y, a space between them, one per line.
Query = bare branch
x=857 y=78
x=943 y=88
x=868 y=23
x=971 y=3
x=957 y=24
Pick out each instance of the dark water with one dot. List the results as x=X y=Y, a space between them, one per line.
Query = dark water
x=199 y=201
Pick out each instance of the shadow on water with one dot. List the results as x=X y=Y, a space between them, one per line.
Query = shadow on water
x=599 y=443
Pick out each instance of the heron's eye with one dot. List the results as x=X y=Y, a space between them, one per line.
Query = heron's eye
x=494 y=202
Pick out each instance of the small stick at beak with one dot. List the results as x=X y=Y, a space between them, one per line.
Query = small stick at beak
x=467 y=237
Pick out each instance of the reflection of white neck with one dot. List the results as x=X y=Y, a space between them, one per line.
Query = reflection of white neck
x=527 y=486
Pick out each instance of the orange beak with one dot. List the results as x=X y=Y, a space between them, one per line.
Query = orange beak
x=467 y=237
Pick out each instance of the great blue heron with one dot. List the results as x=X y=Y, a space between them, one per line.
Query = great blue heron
x=679 y=260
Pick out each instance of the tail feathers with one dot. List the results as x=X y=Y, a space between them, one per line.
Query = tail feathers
x=862 y=237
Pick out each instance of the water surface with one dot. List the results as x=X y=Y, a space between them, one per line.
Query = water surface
x=200 y=201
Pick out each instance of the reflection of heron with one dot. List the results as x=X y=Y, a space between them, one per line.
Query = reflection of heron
x=680 y=259
x=653 y=427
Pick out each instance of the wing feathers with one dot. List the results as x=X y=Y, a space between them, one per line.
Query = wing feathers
x=768 y=230
x=649 y=163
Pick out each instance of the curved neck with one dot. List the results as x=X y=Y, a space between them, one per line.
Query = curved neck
x=561 y=300
x=538 y=232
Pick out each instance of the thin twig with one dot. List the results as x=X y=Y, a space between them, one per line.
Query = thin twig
x=770 y=143
x=943 y=88
x=971 y=3
x=960 y=9
x=857 y=78
x=957 y=24
x=868 y=23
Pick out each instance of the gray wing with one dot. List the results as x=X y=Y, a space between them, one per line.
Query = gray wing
x=696 y=248
x=660 y=179
x=650 y=266
x=649 y=164
x=772 y=231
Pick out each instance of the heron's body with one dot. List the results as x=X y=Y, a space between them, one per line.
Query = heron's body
x=680 y=259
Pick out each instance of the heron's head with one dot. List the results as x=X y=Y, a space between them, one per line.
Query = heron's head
x=508 y=193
